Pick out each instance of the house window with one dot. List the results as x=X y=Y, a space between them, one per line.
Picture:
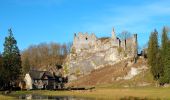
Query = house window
x=35 y=81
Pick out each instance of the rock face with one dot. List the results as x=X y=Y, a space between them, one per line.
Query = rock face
x=89 y=52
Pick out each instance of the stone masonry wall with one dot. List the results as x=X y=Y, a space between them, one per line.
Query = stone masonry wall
x=89 y=52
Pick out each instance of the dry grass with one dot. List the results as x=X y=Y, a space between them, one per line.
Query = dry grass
x=111 y=94
x=109 y=75
x=5 y=97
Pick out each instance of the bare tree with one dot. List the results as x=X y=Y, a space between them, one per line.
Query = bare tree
x=44 y=55
x=124 y=36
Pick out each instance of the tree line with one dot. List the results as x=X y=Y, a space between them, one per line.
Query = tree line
x=14 y=64
x=44 y=55
x=159 y=56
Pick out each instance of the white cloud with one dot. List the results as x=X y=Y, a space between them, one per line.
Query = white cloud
x=131 y=16
x=140 y=19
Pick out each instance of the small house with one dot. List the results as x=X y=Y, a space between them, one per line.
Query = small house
x=44 y=80
x=39 y=80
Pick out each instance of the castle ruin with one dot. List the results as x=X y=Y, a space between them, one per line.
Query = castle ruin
x=89 y=52
x=87 y=41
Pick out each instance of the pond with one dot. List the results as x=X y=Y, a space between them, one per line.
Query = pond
x=30 y=97
x=42 y=97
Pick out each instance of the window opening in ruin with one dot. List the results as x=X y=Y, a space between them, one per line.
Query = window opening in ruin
x=86 y=38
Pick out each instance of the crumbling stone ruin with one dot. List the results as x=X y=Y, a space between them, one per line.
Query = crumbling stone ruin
x=89 y=52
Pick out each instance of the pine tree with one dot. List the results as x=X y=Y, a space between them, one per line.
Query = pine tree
x=164 y=52
x=153 y=55
x=159 y=66
x=166 y=78
x=1 y=71
x=164 y=41
x=11 y=59
x=0 y=63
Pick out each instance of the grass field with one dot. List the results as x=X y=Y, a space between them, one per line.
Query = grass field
x=5 y=97
x=146 y=93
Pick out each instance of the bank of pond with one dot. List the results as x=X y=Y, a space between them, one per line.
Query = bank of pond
x=95 y=94
x=45 y=97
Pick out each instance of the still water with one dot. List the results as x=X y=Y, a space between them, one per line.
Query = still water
x=41 y=97
x=30 y=97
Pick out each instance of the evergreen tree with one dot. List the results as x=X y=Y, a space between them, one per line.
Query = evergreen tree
x=0 y=64
x=153 y=55
x=164 y=52
x=159 y=66
x=11 y=59
x=164 y=41
x=166 y=78
x=1 y=72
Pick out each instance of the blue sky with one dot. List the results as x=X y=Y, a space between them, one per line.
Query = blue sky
x=37 y=21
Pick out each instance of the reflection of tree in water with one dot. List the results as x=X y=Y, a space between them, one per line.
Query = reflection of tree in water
x=136 y=98
x=30 y=97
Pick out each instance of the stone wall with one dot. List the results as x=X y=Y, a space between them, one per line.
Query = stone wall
x=84 y=41
x=131 y=45
x=92 y=53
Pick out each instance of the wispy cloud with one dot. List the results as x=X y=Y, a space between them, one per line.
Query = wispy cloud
x=141 y=19
x=132 y=16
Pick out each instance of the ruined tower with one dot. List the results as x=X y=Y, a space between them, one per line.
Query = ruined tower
x=135 y=43
x=113 y=34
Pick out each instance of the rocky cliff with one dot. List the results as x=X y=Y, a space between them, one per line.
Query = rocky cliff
x=89 y=52
x=123 y=74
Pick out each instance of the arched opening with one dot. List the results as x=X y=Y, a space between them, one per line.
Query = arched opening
x=86 y=38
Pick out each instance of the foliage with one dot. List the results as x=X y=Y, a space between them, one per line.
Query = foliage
x=124 y=36
x=164 y=42
x=11 y=59
x=66 y=70
x=1 y=61
x=1 y=71
x=159 y=57
x=164 y=54
x=153 y=55
x=26 y=65
x=44 y=55
x=166 y=78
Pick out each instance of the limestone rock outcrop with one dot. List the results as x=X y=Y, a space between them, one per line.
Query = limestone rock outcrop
x=89 y=52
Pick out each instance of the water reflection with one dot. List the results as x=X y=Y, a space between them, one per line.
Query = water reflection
x=40 y=97
x=30 y=97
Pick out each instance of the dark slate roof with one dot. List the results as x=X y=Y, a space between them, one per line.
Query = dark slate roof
x=39 y=74
x=48 y=74
x=36 y=74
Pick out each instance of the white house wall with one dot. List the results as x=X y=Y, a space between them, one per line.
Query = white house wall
x=28 y=81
